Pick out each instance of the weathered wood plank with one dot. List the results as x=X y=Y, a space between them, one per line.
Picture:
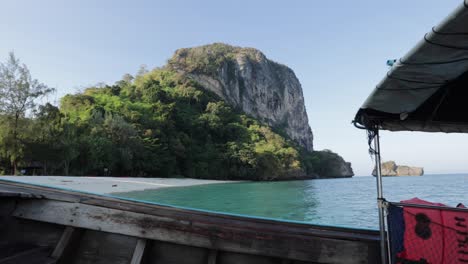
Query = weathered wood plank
x=64 y=242
x=212 y=256
x=169 y=253
x=300 y=247
x=139 y=251
x=38 y=255
x=198 y=216
x=103 y=248
x=10 y=194
x=49 y=193
x=18 y=233
x=236 y=258
x=106 y=201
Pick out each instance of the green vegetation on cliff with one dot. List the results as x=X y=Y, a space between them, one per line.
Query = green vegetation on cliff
x=159 y=124
x=208 y=58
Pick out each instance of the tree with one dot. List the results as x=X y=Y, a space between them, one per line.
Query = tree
x=69 y=142
x=18 y=95
x=43 y=142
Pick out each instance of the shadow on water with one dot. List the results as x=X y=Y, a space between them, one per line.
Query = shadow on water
x=337 y=202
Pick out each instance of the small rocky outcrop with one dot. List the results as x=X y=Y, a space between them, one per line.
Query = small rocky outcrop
x=342 y=169
x=332 y=165
x=390 y=168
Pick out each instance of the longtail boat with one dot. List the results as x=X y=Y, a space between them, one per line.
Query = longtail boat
x=48 y=225
x=424 y=91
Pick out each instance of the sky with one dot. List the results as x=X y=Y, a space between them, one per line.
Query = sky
x=338 y=50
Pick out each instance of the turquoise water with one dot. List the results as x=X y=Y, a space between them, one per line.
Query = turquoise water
x=346 y=202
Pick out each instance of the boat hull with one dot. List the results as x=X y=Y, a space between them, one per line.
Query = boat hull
x=59 y=226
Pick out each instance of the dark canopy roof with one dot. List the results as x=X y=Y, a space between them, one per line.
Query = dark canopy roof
x=427 y=89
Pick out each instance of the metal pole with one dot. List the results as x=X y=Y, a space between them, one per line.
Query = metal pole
x=383 y=251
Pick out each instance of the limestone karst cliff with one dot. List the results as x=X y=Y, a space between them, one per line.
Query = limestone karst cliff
x=390 y=168
x=246 y=79
x=213 y=112
x=261 y=88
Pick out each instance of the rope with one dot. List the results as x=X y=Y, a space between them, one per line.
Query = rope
x=371 y=134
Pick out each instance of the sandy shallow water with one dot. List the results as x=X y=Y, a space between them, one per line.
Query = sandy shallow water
x=107 y=185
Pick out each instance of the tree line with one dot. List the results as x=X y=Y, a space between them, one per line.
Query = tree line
x=156 y=124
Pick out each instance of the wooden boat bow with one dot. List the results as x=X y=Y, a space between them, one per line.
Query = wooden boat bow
x=79 y=226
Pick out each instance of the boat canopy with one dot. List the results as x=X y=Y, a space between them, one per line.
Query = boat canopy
x=427 y=89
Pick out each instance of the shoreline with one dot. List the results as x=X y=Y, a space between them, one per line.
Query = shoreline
x=109 y=185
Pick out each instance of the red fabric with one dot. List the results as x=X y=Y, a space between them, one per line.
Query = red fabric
x=456 y=236
x=429 y=245
x=434 y=235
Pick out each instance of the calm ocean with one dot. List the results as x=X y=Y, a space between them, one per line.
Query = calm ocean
x=346 y=202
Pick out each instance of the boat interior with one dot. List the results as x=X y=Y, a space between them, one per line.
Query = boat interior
x=46 y=225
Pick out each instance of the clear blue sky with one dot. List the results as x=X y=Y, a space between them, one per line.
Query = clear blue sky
x=337 y=49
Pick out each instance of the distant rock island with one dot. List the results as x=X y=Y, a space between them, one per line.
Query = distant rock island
x=390 y=168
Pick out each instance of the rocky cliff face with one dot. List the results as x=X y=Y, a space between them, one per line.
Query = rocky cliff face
x=265 y=90
x=246 y=79
x=334 y=165
x=390 y=168
x=342 y=169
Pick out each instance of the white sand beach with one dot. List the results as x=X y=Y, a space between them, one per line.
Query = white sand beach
x=107 y=185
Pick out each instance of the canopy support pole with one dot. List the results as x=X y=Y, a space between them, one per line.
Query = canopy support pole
x=380 y=199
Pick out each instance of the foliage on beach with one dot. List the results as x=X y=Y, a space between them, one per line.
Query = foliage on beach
x=158 y=124
x=18 y=94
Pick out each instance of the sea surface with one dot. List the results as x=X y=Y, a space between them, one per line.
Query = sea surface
x=349 y=202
